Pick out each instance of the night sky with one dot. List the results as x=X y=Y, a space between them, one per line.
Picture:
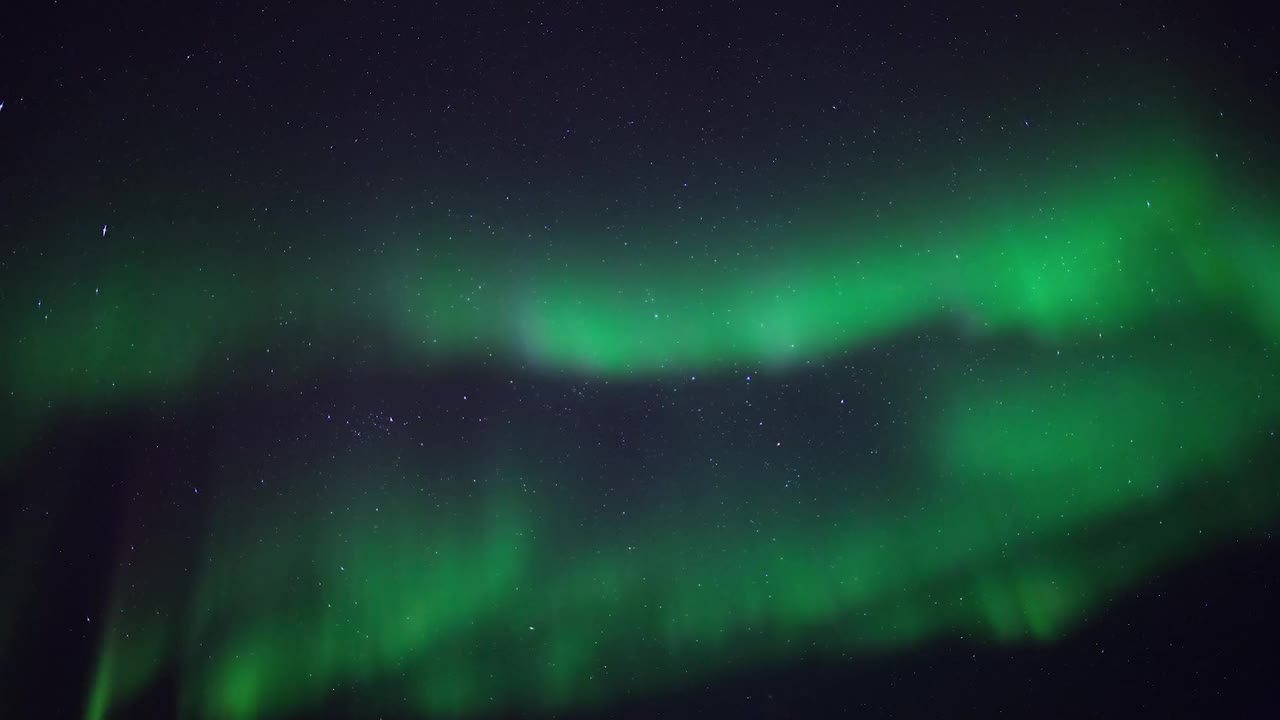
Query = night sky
x=634 y=360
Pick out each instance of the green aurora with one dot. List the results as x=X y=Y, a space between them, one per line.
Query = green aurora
x=1137 y=283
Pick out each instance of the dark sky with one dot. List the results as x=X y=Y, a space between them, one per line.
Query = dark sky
x=638 y=360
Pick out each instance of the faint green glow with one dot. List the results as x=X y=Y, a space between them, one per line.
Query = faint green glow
x=1044 y=495
x=1140 y=281
x=500 y=607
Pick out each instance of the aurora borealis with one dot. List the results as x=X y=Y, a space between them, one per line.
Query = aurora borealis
x=423 y=363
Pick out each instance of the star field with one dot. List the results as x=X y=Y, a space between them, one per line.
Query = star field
x=660 y=361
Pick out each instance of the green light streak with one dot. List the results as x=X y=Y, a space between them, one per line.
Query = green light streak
x=1086 y=249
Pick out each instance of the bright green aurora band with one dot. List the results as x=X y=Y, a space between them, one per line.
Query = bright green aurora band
x=1140 y=278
